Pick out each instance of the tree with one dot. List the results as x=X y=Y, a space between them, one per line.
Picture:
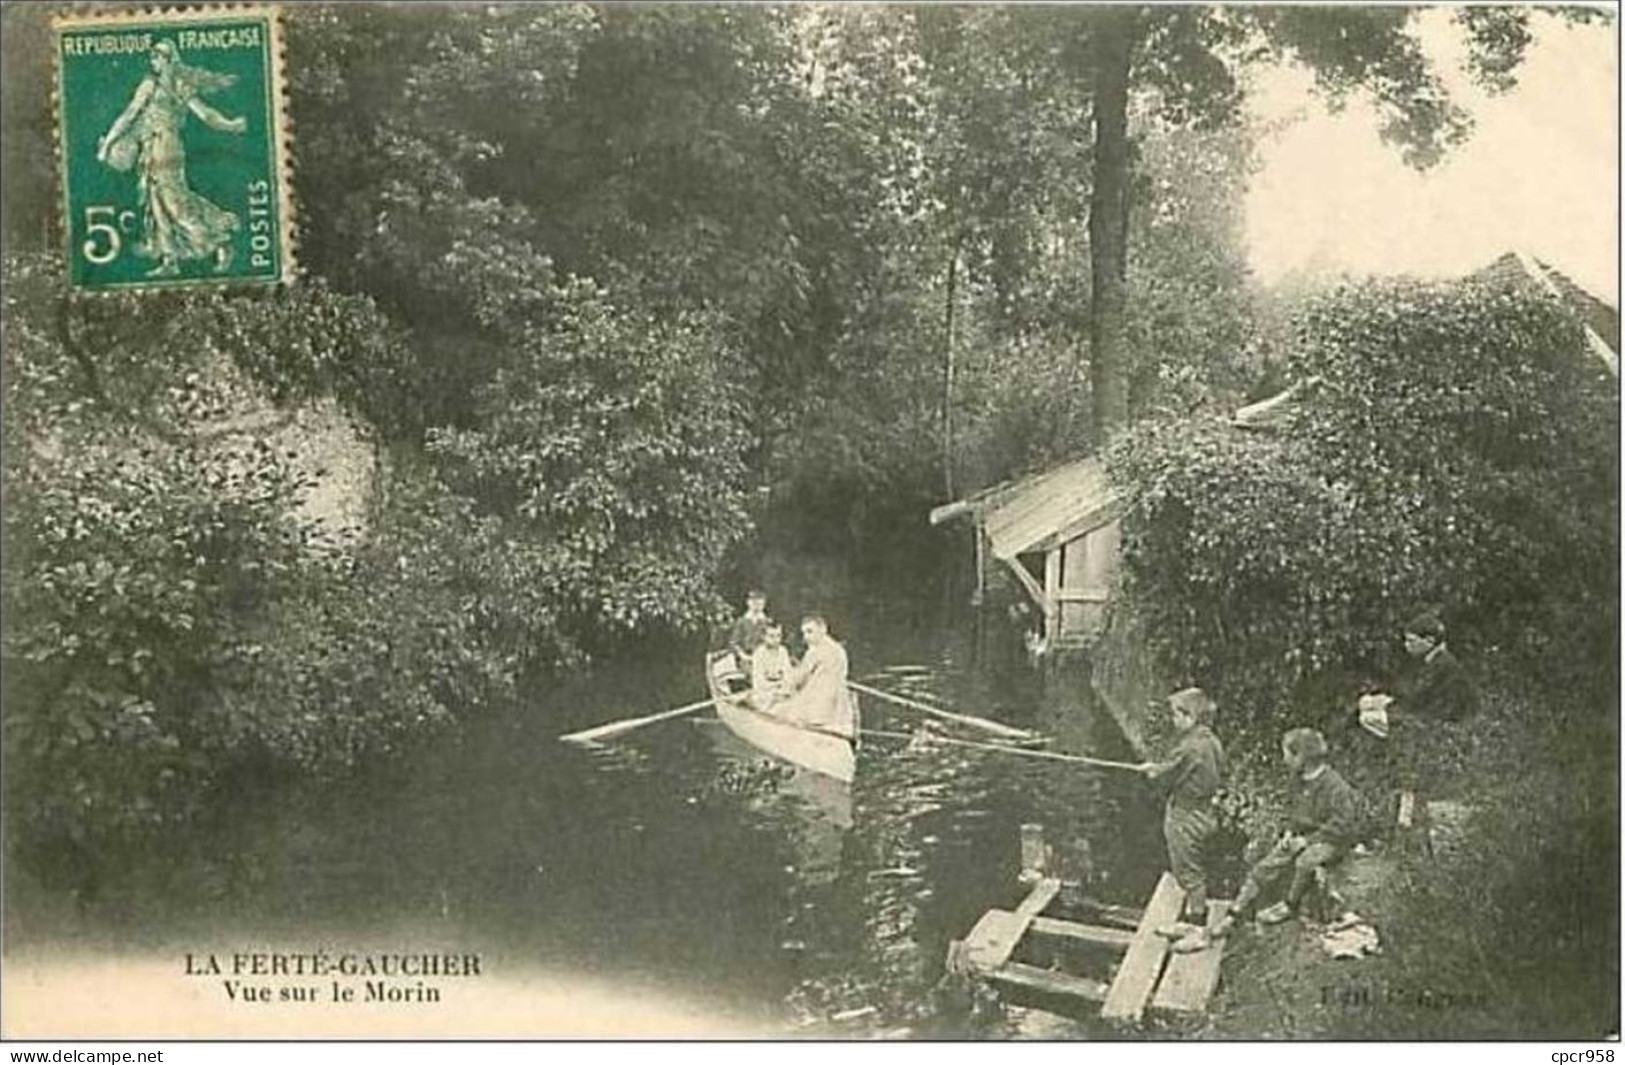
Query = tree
x=1192 y=58
x=971 y=300
x=1195 y=319
x=564 y=456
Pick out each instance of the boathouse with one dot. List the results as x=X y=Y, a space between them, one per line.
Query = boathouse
x=1057 y=533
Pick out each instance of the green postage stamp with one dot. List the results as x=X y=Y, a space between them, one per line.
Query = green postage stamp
x=171 y=128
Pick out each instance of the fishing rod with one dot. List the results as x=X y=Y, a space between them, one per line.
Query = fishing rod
x=1054 y=756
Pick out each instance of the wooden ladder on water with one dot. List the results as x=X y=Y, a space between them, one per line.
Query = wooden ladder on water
x=1149 y=976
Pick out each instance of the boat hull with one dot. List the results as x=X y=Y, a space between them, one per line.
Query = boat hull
x=821 y=752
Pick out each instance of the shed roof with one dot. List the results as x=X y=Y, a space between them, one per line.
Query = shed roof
x=1601 y=319
x=1042 y=510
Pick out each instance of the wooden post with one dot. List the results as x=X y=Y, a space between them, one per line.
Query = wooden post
x=1034 y=853
x=980 y=591
x=1034 y=590
x=1052 y=596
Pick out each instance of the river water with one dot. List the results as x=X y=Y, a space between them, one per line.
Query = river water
x=676 y=863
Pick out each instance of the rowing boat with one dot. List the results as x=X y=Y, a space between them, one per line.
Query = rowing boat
x=811 y=748
x=819 y=807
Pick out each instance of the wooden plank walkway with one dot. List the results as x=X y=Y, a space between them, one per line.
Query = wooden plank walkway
x=1093 y=934
x=1048 y=982
x=1142 y=965
x=1120 y=916
x=1149 y=977
x=1190 y=979
x=995 y=936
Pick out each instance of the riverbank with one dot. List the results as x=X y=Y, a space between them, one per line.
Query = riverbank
x=1503 y=931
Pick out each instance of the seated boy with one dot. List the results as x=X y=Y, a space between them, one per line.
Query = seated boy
x=770 y=667
x=1323 y=820
x=1438 y=688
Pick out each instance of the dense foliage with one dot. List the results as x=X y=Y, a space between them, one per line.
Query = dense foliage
x=174 y=618
x=1456 y=450
x=622 y=298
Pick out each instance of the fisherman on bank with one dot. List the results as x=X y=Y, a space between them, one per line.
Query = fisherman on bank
x=1192 y=775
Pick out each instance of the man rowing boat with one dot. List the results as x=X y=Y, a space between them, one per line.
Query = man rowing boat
x=821 y=699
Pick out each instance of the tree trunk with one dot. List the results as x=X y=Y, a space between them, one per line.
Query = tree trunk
x=948 y=372
x=1108 y=222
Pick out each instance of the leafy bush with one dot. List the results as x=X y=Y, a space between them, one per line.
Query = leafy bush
x=1459 y=452
x=611 y=445
x=174 y=626
x=133 y=567
x=1478 y=410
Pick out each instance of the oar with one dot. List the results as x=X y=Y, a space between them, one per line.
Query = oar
x=615 y=728
x=1053 y=756
x=964 y=719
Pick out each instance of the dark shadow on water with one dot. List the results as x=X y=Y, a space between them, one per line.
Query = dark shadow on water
x=675 y=857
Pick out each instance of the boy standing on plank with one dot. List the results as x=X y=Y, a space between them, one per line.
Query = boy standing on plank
x=1191 y=775
x=1323 y=819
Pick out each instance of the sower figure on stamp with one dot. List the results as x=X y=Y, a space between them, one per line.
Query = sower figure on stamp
x=1323 y=819
x=1192 y=775
x=180 y=223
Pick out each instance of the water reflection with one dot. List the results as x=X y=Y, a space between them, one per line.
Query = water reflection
x=679 y=858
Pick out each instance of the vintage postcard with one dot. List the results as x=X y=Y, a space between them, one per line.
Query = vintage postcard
x=173 y=142
x=885 y=522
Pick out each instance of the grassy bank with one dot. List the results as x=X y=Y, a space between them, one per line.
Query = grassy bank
x=1509 y=930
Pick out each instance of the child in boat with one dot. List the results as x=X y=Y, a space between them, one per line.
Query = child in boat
x=745 y=635
x=1192 y=775
x=770 y=668
x=1322 y=821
